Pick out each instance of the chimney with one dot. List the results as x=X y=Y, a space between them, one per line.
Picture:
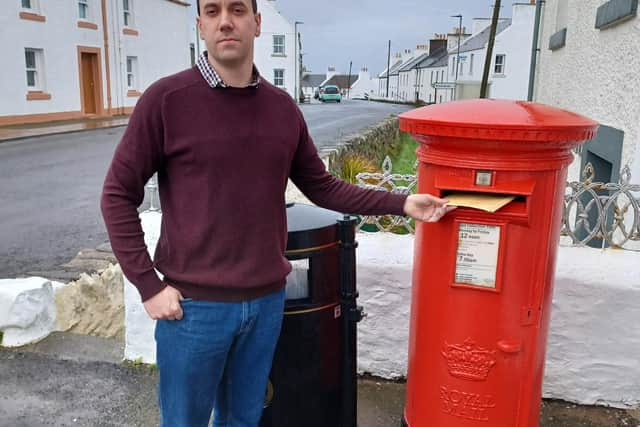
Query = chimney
x=364 y=74
x=331 y=71
x=437 y=44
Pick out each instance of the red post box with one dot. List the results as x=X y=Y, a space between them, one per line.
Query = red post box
x=483 y=281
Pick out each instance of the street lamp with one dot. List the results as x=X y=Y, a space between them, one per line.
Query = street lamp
x=296 y=95
x=459 y=16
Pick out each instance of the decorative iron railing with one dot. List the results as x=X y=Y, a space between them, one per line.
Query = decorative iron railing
x=595 y=213
x=602 y=214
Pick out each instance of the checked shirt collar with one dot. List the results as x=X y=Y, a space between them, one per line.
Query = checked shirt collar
x=213 y=78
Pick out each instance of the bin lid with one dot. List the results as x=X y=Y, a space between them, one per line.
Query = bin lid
x=498 y=119
x=310 y=227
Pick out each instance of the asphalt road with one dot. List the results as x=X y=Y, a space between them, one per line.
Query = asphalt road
x=50 y=186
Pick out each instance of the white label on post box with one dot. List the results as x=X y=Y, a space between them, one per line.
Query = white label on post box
x=477 y=257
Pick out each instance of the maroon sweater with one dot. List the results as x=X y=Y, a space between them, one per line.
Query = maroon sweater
x=223 y=157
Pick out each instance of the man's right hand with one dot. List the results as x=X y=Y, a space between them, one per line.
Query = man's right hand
x=165 y=305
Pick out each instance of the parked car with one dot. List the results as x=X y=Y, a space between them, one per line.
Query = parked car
x=330 y=93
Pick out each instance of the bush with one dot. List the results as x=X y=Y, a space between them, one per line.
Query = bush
x=353 y=164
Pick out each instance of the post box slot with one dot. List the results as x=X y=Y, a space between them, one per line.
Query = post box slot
x=492 y=203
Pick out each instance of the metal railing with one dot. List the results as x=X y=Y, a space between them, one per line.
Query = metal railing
x=602 y=214
x=595 y=213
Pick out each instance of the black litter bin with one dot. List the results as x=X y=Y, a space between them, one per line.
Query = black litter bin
x=313 y=377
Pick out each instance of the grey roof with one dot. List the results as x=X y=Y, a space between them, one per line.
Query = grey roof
x=479 y=41
x=313 y=80
x=396 y=68
x=443 y=61
x=434 y=59
x=342 y=80
x=412 y=63
x=383 y=75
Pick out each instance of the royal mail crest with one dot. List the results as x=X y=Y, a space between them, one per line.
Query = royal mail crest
x=469 y=361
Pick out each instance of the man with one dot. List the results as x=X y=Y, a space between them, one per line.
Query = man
x=224 y=143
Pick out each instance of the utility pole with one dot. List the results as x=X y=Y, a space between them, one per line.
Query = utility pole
x=296 y=95
x=349 y=79
x=388 y=66
x=534 y=50
x=492 y=39
x=459 y=16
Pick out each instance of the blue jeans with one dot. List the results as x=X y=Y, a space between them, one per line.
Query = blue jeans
x=217 y=357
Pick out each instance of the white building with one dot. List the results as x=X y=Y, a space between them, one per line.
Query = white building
x=384 y=83
x=431 y=70
x=398 y=60
x=509 y=71
x=407 y=75
x=364 y=86
x=86 y=58
x=275 y=50
x=590 y=54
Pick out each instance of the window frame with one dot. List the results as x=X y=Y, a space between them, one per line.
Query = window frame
x=37 y=69
x=276 y=46
x=502 y=64
x=276 y=78
x=87 y=9
x=127 y=13
x=132 y=72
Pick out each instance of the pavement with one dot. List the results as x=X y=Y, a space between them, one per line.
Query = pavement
x=10 y=133
x=76 y=380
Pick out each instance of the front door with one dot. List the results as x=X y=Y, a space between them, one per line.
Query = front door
x=89 y=65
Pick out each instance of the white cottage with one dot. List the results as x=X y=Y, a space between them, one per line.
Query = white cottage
x=509 y=69
x=86 y=58
x=590 y=54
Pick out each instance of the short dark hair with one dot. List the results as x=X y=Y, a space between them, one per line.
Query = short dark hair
x=254 y=5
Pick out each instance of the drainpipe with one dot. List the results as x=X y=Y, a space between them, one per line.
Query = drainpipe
x=534 y=49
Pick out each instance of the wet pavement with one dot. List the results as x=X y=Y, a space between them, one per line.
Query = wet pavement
x=8 y=133
x=74 y=380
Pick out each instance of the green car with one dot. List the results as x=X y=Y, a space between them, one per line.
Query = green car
x=330 y=93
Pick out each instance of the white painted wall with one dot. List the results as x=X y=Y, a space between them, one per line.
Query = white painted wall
x=273 y=23
x=593 y=346
x=58 y=37
x=514 y=42
x=439 y=74
x=364 y=84
x=162 y=48
x=594 y=74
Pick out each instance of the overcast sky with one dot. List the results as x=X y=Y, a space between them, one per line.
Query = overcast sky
x=338 y=31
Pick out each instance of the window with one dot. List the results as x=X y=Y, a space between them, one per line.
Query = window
x=432 y=78
x=453 y=65
x=278 y=77
x=26 y=4
x=441 y=99
x=83 y=9
x=471 y=64
x=127 y=10
x=33 y=65
x=31 y=5
x=278 y=45
x=132 y=68
x=461 y=68
x=499 y=65
x=429 y=98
